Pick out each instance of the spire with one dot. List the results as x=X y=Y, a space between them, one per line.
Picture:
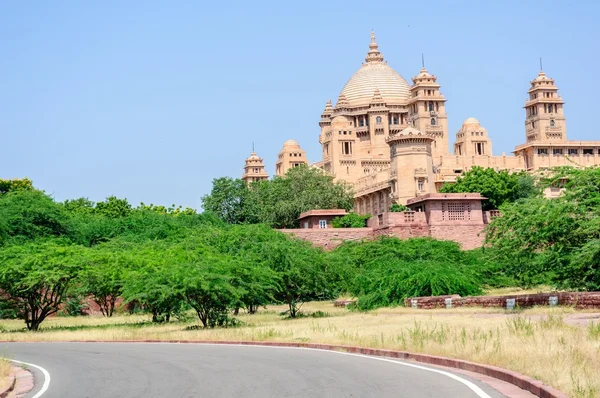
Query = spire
x=422 y=61
x=252 y=146
x=328 y=108
x=541 y=66
x=342 y=102
x=377 y=97
x=373 y=55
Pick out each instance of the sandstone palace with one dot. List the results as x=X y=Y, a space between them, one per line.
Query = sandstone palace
x=390 y=139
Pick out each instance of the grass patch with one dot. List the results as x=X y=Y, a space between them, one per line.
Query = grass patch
x=535 y=341
x=5 y=366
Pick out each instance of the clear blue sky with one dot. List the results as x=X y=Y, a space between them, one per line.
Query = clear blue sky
x=152 y=100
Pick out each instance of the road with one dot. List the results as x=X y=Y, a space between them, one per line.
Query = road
x=94 y=370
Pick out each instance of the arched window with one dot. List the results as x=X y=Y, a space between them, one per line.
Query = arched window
x=378 y=119
x=430 y=106
x=432 y=121
x=552 y=123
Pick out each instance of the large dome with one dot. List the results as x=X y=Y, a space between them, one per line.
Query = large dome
x=372 y=75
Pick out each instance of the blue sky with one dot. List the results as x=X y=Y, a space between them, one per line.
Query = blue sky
x=152 y=100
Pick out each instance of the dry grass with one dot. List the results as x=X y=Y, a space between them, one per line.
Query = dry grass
x=535 y=341
x=517 y=290
x=4 y=372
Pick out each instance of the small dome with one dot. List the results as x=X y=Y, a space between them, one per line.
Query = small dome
x=254 y=156
x=471 y=120
x=291 y=143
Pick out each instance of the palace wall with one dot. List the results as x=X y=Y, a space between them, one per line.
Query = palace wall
x=403 y=225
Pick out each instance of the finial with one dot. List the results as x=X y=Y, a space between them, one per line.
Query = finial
x=422 y=61
x=252 y=146
x=373 y=55
x=541 y=66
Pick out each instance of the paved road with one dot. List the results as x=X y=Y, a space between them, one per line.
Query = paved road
x=81 y=370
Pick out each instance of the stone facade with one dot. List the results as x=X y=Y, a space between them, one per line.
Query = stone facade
x=390 y=139
x=456 y=217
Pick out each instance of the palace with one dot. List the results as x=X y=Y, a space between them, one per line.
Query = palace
x=390 y=139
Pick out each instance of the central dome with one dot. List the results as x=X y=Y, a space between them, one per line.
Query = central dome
x=372 y=75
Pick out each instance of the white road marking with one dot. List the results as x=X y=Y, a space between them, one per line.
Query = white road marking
x=44 y=372
x=480 y=393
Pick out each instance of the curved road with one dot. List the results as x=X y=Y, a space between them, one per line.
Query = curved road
x=80 y=370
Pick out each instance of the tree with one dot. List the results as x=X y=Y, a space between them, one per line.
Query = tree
x=350 y=220
x=102 y=278
x=498 y=186
x=386 y=271
x=15 y=185
x=35 y=277
x=554 y=238
x=114 y=207
x=227 y=200
x=280 y=201
x=31 y=214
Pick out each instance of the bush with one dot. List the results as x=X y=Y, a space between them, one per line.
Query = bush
x=397 y=208
x=350 y=220
x=386 y=271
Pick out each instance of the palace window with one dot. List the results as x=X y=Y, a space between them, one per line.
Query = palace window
x=588 y=151
x=557 y=151
x=542 y=151
x=346 y=148
x=479 y=148
x=361 y=122
x=432 y=121
x=420 y=184
x=378 y=120
x=395 y=120
x=322 y=224
x=573 y=151
x=430 y=106
x=552 y=123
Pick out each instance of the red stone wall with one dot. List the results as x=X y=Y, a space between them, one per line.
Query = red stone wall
x=579 y=300
x=330 y=238
x=469 y=236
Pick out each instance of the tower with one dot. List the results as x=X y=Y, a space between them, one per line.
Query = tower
x=472 y=140
x=254 y=170
x=411 y=168
x=427 y=111
x=291 y=155
x=545 y=120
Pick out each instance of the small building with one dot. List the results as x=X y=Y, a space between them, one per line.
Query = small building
x=319 y=219
x=450 y=208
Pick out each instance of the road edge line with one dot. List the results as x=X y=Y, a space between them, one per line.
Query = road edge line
x=44 y=372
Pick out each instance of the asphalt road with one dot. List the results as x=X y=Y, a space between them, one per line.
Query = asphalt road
x=81 y=370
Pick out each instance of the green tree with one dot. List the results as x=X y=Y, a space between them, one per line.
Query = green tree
x=554 y=238
x=384 y=272
x=102 y=278
x=31 y=214
x=227 y=200
x=498 y=186
x=398 y=208
x=280 y=201
x=114 y=207
x=35 y=277
x=15 y=185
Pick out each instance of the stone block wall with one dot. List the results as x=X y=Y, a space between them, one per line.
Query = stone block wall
x=579 y=300
x=330 y=238
x=469 y=236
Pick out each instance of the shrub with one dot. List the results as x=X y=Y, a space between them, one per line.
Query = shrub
x=350 y=220
x=397 y=208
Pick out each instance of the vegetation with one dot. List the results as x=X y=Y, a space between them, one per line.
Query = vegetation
x=499 y=187
x=277 y=202
x=554 y=239
x=350 y=220
x=397 y=208
x=386 y=271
